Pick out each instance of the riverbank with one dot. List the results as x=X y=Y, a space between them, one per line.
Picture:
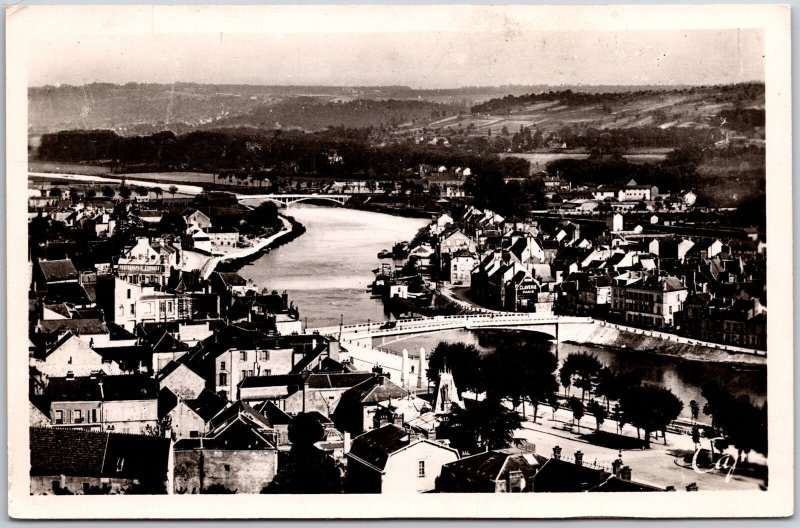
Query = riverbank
x=234 y=260
x=606 y=335
x=295 y=229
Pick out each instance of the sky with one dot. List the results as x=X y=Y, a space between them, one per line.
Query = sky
x=419 y=55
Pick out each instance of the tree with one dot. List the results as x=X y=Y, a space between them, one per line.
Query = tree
x=598 y=411
x=484 y=426
x=124 y=192
x=90 y=194
x=650 y=408
x=263 y=216
x=695 y=435
x=308 y=469
x=141 y=190
x=462 y=360
x=107 y=191
x=583 y=369
x=173 y=190
x=56 y=192
x=695 y=409
x=540 y=384
x=157 y=191
x=172 y=223
x=577 y=408
x=554 y=404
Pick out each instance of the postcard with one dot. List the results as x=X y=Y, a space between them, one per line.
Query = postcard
x=473 y=261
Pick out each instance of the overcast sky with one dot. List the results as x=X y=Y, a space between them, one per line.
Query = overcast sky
x=498 y=53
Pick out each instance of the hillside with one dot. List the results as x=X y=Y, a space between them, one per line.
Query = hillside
x=565 y=119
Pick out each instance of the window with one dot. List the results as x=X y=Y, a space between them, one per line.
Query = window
x=59 y=416
x=169 y=306
x=91 y=416
x=129 y=293
x=244 y=374
x=194 y=434
x=223 y=379
x=243 y=355
x=133 y=309
x=421 y=468
x=263 y=355
x=77 y=416
x=227 y=467
x=222 y=365
x=249 y=372
x=267 y=372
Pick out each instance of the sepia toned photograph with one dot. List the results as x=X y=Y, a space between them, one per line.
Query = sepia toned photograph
x=409 y=251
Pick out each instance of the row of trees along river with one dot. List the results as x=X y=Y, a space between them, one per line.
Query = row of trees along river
x=522 y=371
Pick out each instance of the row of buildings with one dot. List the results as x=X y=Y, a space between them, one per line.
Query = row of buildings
x=700 y=285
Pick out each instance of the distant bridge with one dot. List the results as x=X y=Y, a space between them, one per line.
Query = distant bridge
x=288 y=199
x=547 y=324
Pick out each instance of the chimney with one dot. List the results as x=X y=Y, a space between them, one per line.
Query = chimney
x=102 y=393
x=557 y=452
x=579 y=458
x=347 y=442
x=625 y=473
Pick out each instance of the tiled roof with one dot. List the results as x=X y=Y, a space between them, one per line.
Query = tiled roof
x=375 y=447
x=73 y=452
x=337 y=381
x=114 y=388
x=207 y=404
x=58 y=270
x=78 y=326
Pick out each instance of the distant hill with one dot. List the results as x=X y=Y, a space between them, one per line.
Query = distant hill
x=143 y=108
x=308 y=113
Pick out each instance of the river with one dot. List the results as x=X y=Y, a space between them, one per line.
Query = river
x=327 y=270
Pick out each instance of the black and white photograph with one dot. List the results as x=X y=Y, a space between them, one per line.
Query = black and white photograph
x=417 y=252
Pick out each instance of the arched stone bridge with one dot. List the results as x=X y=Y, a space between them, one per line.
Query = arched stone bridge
x=547 y=324
x=288 y=199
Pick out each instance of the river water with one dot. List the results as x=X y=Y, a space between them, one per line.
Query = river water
x=326 y=272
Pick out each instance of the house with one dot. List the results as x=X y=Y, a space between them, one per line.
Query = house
x=189 y=418
x=91 y=330
x=321 y=392
x=73 y=356
x=223 y=237
x=239 y=454
x=392 y=460
x=197 y=219
x=462 y=263
x=181 y=379
x=228 y=285
x=50 y=272
x=124 y=404
x=440 y=224
x=133 y=304
x=165 y=348
x=648 y=300
x=357 y=406
x=559 y=475
x=453 y=240
x=499 y=471
x=73 y=461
